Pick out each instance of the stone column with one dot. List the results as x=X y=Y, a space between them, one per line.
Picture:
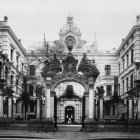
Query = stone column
x=137 y=81
x=52 y=104
x=1 y=104
x=101 y=102
x=86 y=96
x=130 y=104
x=138 y=98
x=38 y=108
x=1 y=97
x=47 y=102
x=91 y=101
x=10 y=107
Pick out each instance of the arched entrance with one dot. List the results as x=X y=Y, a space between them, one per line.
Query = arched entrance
x=56 y=72
x=69 y=114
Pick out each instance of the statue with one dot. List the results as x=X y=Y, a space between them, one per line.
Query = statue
x=52 y=60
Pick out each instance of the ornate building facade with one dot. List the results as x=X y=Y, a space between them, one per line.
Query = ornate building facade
x=71 y=80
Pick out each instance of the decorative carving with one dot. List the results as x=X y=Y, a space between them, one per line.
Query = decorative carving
x=69 y=93
x=69 y=63
x=88 y=68
x=69 y=77
x=100 y=91
x=52 y=66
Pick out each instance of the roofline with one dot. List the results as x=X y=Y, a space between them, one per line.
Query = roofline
x=126 y=38
x=8 y=28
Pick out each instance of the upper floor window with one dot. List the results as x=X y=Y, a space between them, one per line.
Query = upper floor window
x=127 y=88
x=118 y=89
x=0 y=70
x=107 y=70
x=17 y=60
x=132 y=56
x=123 y=63
x=31 y=90
x=131 y=81
x=11 y=80
x=108 y=90
x=127 y=59
x=123 y=87
x=32 y=70
x=119 y=67
x=12 y=54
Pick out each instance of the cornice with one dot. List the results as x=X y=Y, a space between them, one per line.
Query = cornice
x=126 y=38
x=12 y=34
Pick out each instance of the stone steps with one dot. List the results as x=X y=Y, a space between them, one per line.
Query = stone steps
x=69 y=128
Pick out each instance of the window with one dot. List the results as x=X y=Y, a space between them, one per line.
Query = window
x=127 y=58
x=32 y=70
x=131 y=81
x=132 y=56
x=32 y=107
x=6 y=73
x=17 y=83
x=123 y=63
x=123 y=86
x=118 y=89
x=17 y=59
x=31 y=90
x=0 y=70
x=12 y=54
x=108 y=90
x=107 y=70
x=119 y=67
x=127 y=84
x=107 y=110
x=11 y=80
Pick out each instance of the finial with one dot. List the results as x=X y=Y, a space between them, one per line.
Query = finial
x=5 y=18
x=95 y=36
x=69 y=15
x=44 y=36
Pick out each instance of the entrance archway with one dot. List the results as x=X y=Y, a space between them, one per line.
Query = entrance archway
x=69 y=114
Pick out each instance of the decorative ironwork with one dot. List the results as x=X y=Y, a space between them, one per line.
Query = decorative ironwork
x=69 y=93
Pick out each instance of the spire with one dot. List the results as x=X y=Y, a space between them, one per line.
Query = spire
x=95 y=43
x=70 y=18
x=46 y=45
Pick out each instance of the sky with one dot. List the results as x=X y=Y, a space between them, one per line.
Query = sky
x=111 y=20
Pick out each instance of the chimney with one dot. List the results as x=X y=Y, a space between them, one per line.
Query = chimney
x=138 y=20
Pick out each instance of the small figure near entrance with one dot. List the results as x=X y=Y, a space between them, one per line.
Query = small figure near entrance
x=69 y=114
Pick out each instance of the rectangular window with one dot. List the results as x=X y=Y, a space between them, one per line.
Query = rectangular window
x=17 y=60
x=12 y=54
x=119 y=67
x=32 y=70
x=11 y=80
x=118 y=89
x=17 y=83
x=108 y=90
x=32 y=107
x=131 y=82
x=31 y=90
x=123 y=86
x=127 y=88
x=127 y=56
x=107 y=70
x=132 y=56
x=123 y=63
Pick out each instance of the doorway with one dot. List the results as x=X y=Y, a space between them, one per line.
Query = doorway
x=69 y=115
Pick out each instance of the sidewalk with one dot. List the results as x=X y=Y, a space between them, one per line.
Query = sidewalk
x=67 y=135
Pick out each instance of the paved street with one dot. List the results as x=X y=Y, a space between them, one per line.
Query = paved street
x=24 y=134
